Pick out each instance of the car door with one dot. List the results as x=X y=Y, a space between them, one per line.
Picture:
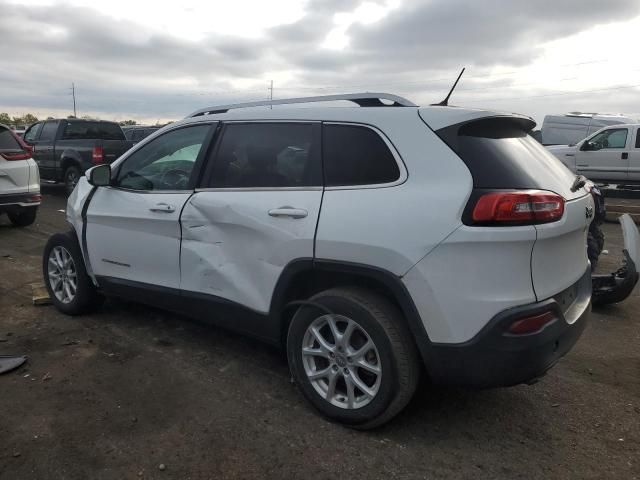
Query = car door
x=604 y=155
x=43 y=152
x=634 y=155
x=256 y=212
x=133 y=226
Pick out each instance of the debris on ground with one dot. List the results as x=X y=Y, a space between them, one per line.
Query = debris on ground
x=40 y=294
x=47 y=376
x=11 y=362
x=162 y=467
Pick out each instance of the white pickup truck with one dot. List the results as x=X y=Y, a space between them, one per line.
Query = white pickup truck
x=610 y=154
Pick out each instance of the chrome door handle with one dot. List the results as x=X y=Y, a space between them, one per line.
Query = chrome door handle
x=288 y=212
x=163 y=207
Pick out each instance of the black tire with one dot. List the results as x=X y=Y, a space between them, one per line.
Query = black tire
x=70 y=178
x=595 y=244
x=23 y=217
x=384 y=324
x=87 y=297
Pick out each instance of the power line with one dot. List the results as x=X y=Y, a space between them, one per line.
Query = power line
x=559 y=94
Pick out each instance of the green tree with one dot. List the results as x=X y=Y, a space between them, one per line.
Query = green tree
x=128 y=122
x=28 y=119
x=5 y=118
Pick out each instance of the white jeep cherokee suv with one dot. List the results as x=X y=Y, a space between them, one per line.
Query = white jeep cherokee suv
x=366 y=240
x=19 y=179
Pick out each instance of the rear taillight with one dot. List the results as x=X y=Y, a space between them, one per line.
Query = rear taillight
x=21 y=155
x=531 y=324
x=98 y=155
x=523 y=207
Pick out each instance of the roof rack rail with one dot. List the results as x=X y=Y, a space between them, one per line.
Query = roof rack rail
x=361 y=99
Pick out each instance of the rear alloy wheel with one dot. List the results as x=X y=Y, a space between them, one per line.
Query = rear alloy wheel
x=352 y=356
x=71 y=177
x=70 y=288
x=23 y=217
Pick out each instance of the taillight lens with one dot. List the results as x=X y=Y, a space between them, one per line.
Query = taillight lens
x=518 y=208
x=98 y=155
x=531 y=324
x=20 y=155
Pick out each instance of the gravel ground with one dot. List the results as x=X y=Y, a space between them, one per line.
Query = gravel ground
x=129 y=389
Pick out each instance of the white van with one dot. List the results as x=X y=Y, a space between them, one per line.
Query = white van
x=570 y=128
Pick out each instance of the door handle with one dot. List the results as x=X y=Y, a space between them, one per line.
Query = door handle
x=288 y=212
x=625 y=155
x=163 y=208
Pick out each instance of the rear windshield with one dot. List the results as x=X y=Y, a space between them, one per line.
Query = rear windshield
x=93 y=131
x=8 y=141
x=500 y=153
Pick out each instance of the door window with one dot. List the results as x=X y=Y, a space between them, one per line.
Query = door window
x=614 y=138
x=267 y=155
x=638 y=138
x=49 y=130
x=166 y=163
x=355 y=155
x=31 y=134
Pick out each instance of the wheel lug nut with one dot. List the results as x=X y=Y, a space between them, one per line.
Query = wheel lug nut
x=335 y=368
x=331 y=354
x=346 y=371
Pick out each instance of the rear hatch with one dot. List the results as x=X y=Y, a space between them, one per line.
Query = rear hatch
x=14 y=170
x=503 y=158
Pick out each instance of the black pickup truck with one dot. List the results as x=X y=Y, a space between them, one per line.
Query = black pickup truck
x=64 y=149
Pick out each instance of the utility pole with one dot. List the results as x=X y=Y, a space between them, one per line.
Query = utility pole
x=73 y=93
x=271 y=94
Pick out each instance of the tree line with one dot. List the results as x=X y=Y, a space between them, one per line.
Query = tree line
x=29 y=118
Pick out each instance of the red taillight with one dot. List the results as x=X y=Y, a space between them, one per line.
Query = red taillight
x=518 y=208
x=531 y=324
x=98 y=155
x=21 y=155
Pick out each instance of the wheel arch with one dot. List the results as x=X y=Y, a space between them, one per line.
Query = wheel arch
x=66 y=161
x=303 y=278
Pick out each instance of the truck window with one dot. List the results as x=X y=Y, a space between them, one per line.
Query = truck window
x=613 y=138
x=638 y=138
x=32 y=132
x=92 y=131
x=49 y=130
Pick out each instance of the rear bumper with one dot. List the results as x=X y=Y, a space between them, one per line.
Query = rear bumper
x=29 y=199
x=495 y=358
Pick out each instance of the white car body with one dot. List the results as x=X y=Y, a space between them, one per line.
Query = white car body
x=616 y=160
x=360 y=239
x=19 y=176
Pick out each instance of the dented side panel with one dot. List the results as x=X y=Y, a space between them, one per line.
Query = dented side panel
x=234 y=249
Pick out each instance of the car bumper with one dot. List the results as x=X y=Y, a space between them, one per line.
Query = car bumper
x=496 y=358
x=30 y=199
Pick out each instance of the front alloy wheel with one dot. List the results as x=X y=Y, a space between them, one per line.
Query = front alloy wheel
x=63 y=276
x=341 y=361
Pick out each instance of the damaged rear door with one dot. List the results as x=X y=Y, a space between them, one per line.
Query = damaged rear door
x=256 y=212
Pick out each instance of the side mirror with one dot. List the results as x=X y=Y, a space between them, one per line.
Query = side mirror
x=586 y=146
x=100 y=175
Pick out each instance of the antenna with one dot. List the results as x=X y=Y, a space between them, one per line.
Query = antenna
x=445 y=102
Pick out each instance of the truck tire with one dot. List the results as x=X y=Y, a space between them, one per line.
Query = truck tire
x=70 y=288
x=23 y=217
x=70 y=178
x=363 y=374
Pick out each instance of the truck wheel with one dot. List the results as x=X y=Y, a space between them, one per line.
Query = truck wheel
x=70 y=288
x=23 y=217
x=357 y=365
x=71 y=177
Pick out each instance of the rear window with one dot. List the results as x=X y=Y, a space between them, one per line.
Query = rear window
x=500 y=154
x=92 y=131
x=355 y=155
x=7 y=140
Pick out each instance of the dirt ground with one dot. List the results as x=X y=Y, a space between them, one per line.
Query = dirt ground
x=116 y=394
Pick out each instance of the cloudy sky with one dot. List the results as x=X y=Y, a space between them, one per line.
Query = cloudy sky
x=155 y=61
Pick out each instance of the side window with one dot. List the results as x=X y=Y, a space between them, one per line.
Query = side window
x=638 y=138
x=49 y=130
x=267 y=155
x=32 y=133
x=614 y=138
x=165 y=163
x=355 y=155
